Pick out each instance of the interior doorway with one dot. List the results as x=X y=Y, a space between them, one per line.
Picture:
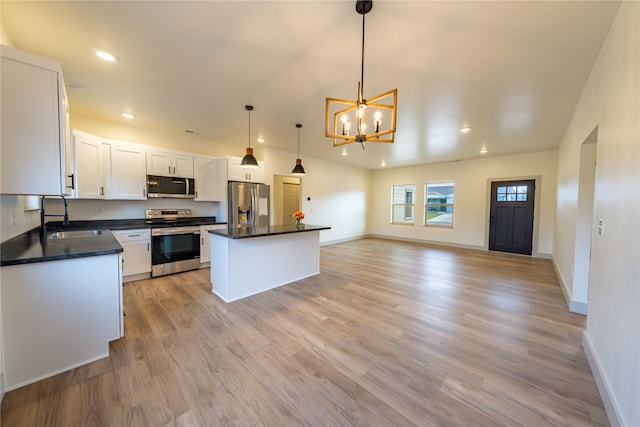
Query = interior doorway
x=290 y=201
x=287 y=198
x=511 y=216
x=584 y=224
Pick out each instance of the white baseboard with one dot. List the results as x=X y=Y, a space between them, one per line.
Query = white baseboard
x=610 y=405
x=578 y=307
x=574 y=306
x=134 y=277
x=428 y=242
x=542 y=255
x=336 y=241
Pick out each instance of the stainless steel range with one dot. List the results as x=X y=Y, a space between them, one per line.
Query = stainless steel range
x=175 y=243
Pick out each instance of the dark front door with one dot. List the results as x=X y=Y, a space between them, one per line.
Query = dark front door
x=511 y=220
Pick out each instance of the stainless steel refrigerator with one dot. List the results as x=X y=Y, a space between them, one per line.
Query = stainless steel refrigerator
x=249 y=204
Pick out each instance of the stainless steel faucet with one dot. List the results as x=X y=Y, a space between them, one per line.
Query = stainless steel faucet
x=65 y=220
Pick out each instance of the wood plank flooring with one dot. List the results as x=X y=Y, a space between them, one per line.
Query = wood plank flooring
x=388 y=334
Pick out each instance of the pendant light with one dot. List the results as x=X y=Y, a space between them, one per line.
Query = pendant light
x=298 y=170
x=248 y=161
x=379 y=111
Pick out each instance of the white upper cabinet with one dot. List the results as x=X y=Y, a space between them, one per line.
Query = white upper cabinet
x=166 y=163
x=128 y=171
x=210 y=179
x=235 y=172
x=34 y=136
x=89 y=162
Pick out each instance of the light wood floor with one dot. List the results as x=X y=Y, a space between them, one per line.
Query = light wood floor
x=389 y=334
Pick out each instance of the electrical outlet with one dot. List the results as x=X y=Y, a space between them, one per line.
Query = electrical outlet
x=601 y=227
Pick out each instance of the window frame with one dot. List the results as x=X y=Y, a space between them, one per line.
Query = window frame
x=408 y=194
x=448 y=207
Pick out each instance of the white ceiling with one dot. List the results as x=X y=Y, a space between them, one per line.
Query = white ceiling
x=512 y=71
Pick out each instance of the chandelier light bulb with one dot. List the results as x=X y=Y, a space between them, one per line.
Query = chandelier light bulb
x=345 y=124
x=377 y=119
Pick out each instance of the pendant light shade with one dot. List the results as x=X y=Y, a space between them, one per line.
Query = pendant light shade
x=248 y=161
x=298 y=170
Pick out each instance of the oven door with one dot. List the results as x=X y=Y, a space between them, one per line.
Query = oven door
x=173 y=245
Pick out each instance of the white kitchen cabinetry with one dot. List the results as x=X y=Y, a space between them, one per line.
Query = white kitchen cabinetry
x=210 y=179
x=58 y=315
x=235 y=172
x=166 y=163
x=128 y=171
x=137 y=252
x=89 y=166
x=34 y=136
x=205 y=242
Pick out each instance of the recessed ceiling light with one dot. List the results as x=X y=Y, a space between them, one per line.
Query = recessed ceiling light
x=383 y=164
x=260 y=140
x=128 y=116
x=344 y=152
x=104 y=55
x=483 y=150
x=465 y=129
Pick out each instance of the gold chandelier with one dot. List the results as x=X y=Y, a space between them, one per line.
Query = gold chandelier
x=379 y=111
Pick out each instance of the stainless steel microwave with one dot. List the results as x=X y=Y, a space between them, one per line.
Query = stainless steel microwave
x=168 y=186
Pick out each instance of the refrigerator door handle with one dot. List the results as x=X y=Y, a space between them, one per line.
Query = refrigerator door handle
x=254 y=204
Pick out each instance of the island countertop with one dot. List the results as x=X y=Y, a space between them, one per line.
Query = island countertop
x=271 y=230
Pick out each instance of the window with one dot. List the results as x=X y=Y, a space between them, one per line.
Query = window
x=402 y=204
x=439 y=204
x=512 y=193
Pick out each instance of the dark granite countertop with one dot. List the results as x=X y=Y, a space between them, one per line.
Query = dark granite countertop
x=271 y=230
x=29 y=247
x=128 y=224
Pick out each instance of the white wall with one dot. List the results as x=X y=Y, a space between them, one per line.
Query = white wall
x=338 y=194
x=14 y=219
x=472 y=190
x=610 y=102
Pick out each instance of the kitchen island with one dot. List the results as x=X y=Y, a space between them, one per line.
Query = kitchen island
x=249 y=260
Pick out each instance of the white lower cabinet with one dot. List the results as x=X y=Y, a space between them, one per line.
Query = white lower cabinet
x=205 y=242
x=137 y=252
x=58 y=315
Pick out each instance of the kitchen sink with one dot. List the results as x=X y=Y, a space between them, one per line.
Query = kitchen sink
x=74 y=234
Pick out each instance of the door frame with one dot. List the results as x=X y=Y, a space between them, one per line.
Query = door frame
x=536 y=211
x=277 y=193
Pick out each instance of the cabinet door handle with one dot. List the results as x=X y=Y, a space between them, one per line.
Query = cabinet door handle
x=143 y=192
x=133 y=235
x=102 y=191
x=169 y=170
x=174 y=170
x=147 y=247
x=73 y=184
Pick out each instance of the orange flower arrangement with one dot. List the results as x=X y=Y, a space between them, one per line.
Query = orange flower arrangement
x=298 y=215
